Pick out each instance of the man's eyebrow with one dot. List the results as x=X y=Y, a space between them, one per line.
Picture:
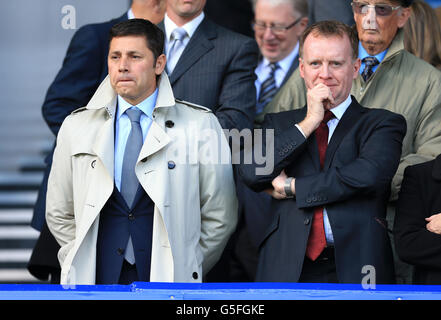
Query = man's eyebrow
x=128 y=52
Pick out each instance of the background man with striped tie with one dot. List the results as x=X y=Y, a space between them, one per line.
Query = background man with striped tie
x=333 y=164
x=277 y=28
x=390 y=78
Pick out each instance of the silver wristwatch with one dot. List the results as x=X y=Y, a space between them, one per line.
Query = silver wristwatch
x=287 y=187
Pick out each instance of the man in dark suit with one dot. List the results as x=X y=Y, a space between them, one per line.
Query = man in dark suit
x=210 y=65
x=329 y=207
x=83 y=69
x=417 y=227
x=277 y=29
x=339 y=10
x=236 y=15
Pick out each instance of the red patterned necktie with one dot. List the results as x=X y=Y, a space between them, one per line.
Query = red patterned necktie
x=317 y=238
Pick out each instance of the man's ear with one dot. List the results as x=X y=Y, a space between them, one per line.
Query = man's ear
x=403 y=17
x=161 y=62
x=303 y=23
x=301 y=67
x=357 y=66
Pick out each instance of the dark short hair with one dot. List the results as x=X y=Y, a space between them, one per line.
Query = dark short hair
x=329 y=28
x=140 y=27
x=404 y=3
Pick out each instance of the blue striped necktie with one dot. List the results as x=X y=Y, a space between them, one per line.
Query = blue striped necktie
x=268 y=89
x=370 y=63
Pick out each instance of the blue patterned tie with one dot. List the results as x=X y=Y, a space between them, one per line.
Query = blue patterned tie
x=129 y=181
x=176 y=48
x=268 y=89
x=370 y=63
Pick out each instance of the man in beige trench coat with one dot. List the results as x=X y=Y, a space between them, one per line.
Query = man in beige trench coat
x=183 y=168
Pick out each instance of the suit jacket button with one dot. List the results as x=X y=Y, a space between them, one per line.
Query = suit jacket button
x=171 y=164
x=120 y=251
x=195 y=275
x=131 y=216
x=306 y=221
x=169 y=124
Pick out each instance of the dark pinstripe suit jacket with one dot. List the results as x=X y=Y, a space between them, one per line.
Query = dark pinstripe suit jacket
x=216 y=70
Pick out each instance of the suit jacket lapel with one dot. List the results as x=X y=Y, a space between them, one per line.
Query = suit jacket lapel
x=349 y=118
x=199 y=44
x=293 y=67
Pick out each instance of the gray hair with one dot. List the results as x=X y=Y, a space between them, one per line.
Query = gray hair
x=299 y=6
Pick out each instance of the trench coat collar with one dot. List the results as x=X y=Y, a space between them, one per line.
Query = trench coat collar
x=106 y=97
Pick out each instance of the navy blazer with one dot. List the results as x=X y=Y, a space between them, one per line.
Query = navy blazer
x=354 y=186
x=419 y=198
x=216 y=70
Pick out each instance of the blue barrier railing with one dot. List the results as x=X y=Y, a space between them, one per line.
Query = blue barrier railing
x=219 y=291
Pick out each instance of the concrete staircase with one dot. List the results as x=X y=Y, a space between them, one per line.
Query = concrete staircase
x=24 y=143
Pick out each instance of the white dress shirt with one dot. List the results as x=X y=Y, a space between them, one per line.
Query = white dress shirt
x=123 y=127
x=263 y=69
x=338 y=112
x=130 y=14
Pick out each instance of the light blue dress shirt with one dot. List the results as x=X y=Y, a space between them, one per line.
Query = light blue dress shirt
x=123 y=127
x=362 y=53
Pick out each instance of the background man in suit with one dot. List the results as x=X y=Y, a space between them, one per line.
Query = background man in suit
x=210 y=65
x=121 y=203
x=339 y=10
x=277 y=29
x=340 y=191
x=417 y=226
x=236 y=15
x=83 y=69
x=390 y=78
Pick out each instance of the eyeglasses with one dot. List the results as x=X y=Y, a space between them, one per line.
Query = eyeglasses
x=278 y=30
x=383 y=10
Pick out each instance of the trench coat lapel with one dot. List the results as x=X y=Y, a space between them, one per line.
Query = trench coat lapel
x=104 y=146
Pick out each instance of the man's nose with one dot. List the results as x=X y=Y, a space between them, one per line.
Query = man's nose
x=369 y=20
x=123 y=64
x=324 y=71
x=268 y=34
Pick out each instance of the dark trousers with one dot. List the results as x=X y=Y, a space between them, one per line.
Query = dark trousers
x=321 y=270
x=128 y=273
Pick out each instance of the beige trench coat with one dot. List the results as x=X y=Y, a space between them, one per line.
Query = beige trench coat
x=195 y=202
